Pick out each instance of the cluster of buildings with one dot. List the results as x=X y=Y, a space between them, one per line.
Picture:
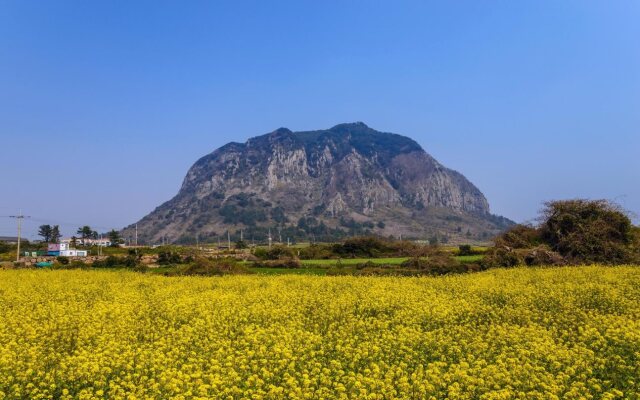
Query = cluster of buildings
x=57 y=249
x=87 y=242
x=64 y=249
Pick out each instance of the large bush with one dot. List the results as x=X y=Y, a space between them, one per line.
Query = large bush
x=588 y=231
x=570 y=231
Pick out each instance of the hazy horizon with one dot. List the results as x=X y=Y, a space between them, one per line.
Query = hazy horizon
x=104 y=107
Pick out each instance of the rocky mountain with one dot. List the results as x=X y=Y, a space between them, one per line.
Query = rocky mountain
x=322 y=185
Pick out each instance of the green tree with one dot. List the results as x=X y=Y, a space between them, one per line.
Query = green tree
x=74 y=242
x=85 y=233
x=55 y=234
x=114 y=238
x=45 y=232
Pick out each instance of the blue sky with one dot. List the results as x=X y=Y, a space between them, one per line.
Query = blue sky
x=105 y=105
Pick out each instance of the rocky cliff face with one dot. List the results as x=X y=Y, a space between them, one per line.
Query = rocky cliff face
x=349 y=179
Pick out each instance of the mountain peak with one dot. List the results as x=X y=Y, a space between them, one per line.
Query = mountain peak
x=327 y=183
x=282 y=131
x=350 y=125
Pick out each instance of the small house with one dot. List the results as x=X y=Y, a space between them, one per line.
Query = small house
x=64 y=249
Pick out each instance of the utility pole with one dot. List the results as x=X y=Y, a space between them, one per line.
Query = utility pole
x=228 y=240
x=241 y=236
x=288 y=243
x=19 y=217
x=269 y=238
x=136 y=235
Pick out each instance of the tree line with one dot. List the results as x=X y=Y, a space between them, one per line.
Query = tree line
x=51 y=234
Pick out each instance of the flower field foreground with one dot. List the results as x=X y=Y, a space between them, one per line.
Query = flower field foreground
x=567 y=333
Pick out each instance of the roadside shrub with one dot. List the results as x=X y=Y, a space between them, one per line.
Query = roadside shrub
x=62 y=260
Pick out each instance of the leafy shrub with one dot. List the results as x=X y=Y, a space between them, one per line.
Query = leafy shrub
x=502 y=256
x=519 y=237
x=275 y=253
x=542 y=255
x=77 y=264
x=109 y=262
x=130 y=261
x=169 y=257
x=286 y=262
x=5 y=247
x=508 y=257
x=576 y=231
x=364 y=246
x=62 y=260
x=465 y=250
x=208 y=267
x=317 y=252
x=588 y=231
x=438 y=263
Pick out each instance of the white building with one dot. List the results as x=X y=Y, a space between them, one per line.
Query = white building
x=89 y=242
x=73 y=253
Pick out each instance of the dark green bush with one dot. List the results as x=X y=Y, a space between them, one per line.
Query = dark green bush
x=109 y=262
x=62 y=260
x=364 y=246
x=169 y=257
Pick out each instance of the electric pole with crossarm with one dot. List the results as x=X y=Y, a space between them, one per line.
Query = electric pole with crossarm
x=19 y=217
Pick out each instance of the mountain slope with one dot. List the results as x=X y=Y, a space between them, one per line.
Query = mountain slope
x=323 y=184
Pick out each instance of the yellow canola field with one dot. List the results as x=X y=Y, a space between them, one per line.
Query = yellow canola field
x=557 y=333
